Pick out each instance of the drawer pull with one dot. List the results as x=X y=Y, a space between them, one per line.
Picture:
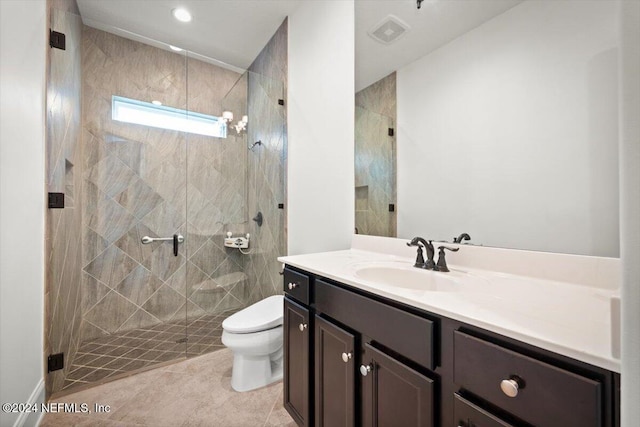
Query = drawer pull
x=292 y=286
x=302 y=327
x=510 y=387
x=346 y=357
x=365 y=369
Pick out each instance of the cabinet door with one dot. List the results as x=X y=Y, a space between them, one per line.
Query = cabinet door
x=296 y=362
x=467 y=414
x=393 y=394
x=335 y=375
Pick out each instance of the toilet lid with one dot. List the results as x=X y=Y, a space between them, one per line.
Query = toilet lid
x=263 y=315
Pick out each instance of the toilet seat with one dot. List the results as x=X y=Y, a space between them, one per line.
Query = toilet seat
x=263 y=315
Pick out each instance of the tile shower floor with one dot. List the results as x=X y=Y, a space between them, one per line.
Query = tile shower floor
x=106 y=357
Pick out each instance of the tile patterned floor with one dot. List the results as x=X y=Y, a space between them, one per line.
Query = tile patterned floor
x=194 y=392
x=117 y=354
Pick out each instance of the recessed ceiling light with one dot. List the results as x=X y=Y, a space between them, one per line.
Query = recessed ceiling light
x=156 y=102
x=175 y=48
x=181 y=14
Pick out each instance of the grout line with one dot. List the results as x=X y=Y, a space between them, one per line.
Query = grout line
x=272 y=408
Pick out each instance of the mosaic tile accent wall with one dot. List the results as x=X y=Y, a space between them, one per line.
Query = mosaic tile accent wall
x=140 y=180
x=375 y=158
x=64 y=175
x=266 y=165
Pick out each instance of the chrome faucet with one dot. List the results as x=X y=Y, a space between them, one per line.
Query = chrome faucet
x=429 y=264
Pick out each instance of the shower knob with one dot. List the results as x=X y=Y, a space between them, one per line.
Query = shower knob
x=302 y=327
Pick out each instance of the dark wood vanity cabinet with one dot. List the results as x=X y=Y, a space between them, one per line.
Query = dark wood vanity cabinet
x=540 y=392
x=389 y=392
x=358 y=359
x=393 y=394
x=352 y=382
x=334 y=375
x=297 y=361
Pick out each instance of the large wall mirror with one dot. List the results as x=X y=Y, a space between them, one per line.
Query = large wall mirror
x=497 y=118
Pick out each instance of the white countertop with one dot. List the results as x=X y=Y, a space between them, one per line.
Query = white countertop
x=570 y=319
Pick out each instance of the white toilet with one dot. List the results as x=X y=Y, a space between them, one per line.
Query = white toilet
x=255 y=337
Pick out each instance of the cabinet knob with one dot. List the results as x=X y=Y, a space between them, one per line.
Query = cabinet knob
x=292 y=286
x=510 y=387
x=302 y=327
x=365 y=369
x=346 y=357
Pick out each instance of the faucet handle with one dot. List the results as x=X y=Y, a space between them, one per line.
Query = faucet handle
x=419 y=258
x=441 y=265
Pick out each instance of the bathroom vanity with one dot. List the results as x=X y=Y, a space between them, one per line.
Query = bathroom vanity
x=359 y=352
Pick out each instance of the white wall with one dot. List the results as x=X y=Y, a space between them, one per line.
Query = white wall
x=630 y=210
x=510 y=132
x=321 y=127
x=22 y=209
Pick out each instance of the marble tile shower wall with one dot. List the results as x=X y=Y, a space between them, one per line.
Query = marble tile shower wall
x=266 y=165
x=148 y=181
x=375 y=158
x=64 y=175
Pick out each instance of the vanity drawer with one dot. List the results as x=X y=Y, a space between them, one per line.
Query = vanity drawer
x=386 y=325
x=546 y=395
x=466 y=414
x=296 y=285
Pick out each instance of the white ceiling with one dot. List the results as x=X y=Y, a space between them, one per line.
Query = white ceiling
x=232 y=32
x=436 y=23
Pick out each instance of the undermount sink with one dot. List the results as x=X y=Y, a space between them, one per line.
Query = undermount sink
x=404 y=276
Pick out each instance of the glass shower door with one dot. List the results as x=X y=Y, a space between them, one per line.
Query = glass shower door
x=132 y=199
x=231 y=179
x=216 y=192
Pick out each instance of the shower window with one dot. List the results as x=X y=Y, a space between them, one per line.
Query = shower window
x=158 y=116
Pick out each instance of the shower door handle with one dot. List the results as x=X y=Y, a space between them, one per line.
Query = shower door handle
x=177 y=239
x=146 y=239
x=175 y=244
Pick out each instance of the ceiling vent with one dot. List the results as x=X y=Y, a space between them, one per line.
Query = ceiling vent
x=390 y=29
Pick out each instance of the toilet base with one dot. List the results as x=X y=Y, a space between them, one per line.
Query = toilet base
x=257 y=354
x=252 y=372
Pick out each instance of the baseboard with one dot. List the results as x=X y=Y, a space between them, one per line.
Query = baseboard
x=32 y=419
